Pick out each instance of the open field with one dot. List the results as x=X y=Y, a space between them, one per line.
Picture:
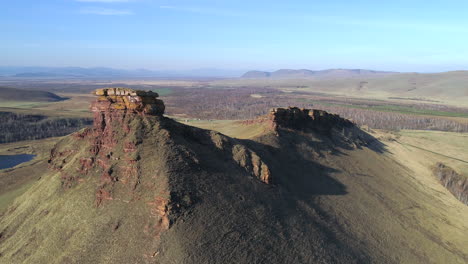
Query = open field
x=443 y=88
x=436 y=146
x=211 y=100
x=76 y=106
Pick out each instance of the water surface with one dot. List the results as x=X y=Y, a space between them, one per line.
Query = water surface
x=9 y=161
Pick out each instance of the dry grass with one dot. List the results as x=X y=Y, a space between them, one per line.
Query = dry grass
x=446 y=88
x=76 y=106
x=389 y=204
x=434 y=146
x=231 y=128
x=16 y=181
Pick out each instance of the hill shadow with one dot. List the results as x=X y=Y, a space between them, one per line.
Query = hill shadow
x=293 y=157
x=292 y=165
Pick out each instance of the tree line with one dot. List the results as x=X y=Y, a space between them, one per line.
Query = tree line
x=16 y=127
x=249 y=103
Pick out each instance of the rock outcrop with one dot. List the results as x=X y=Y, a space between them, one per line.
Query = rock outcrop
x=454 y=182
x=130 y=100
x=111 y=142
x=300 y=118
x=112 y=147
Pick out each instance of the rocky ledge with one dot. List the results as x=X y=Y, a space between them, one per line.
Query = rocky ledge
x=125 y=99
x=301 y=118
x=454 y=182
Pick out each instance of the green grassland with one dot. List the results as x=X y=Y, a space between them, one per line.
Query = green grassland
x=22 y=104
x=15 y=181
x=163 y=91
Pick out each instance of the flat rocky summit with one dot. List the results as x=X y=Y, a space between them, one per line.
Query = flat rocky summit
x=125 y=99
x=301 y=118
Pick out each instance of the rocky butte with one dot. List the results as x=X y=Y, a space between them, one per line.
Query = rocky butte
x=135 y=158
x=139 y=187
x=301 y=118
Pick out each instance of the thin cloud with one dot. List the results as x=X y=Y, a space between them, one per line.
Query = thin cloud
x=202 y=10
x=106 y=12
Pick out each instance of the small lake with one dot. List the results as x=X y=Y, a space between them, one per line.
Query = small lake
x=9 y=161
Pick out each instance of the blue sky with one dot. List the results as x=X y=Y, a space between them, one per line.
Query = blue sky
x=424 y=36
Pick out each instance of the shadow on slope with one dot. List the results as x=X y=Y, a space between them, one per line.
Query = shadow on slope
x=218 y=210
x=234 y=217
x=294 y=155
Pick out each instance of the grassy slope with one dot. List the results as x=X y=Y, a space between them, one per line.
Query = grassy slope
x=405 y=209
x=16 y=181
x=389 y=202
x=435 y=146
x=394 y=200
x=233 y=128
x=197 y=169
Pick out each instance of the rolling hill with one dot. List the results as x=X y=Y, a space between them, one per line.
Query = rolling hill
x=321 y=74
x=13 y=94
x=105 y=72
x=441 y=85
x=441 y=88
x=308 y=187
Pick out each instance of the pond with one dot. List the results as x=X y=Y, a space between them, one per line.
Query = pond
x=9 y=161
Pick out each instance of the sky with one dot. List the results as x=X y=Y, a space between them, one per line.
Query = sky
x=411 y=35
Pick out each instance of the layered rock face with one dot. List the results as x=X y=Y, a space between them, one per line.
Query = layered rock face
x=112 y=147
x=128 y=100
x=300 y=118
x=109 y=148
x=455 y=183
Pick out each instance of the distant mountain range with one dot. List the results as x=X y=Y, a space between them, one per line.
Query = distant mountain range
x=304 y=73
x=102 y=72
